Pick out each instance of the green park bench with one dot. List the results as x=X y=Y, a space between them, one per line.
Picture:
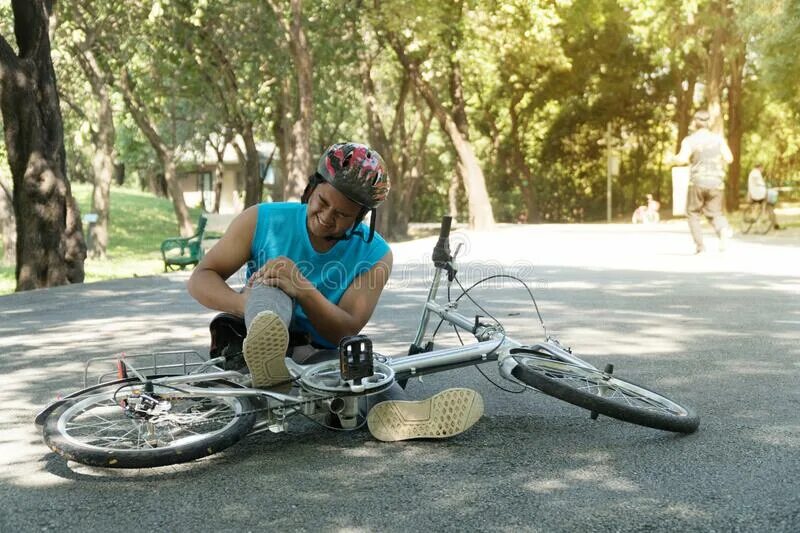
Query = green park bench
x=180 y=252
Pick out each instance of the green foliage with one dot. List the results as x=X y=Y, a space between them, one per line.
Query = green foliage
x=778 y=40
x=542 y=81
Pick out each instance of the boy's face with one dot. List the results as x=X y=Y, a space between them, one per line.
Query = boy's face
x=330 y=213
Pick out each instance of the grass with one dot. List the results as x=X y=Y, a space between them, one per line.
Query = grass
x=139 y=222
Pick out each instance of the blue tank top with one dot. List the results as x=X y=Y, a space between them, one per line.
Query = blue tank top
x=281 y=231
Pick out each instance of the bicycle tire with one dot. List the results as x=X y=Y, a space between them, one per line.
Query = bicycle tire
x=583 y=387
x=763 y=223
x=749 y=216
x=83 y=429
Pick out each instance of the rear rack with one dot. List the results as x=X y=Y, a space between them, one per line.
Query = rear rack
x=169 y=363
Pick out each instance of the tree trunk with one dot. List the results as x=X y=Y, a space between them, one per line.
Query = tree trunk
x=684 y=109
x=715 y=79
x=218 y=144
x=103 y=163
x=103 y=139
x=301 y=131
x=8 y=225
x=219 y=176
x=166 y=154
x=452 y=190
x=528 y=187
x=299 y=159
x=254 y=184
x=50 y=248
x=735 y=128
x=169 y=163
x=379 y=141
x=414 y=162
x=480 y=207
x=280 y=131
x=459 y=111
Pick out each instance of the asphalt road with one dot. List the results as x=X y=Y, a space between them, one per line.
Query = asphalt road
x=719 y=332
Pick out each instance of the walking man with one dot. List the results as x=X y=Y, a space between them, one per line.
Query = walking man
x=707 y=153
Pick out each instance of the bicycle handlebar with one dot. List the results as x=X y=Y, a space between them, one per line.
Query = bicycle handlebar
x=441 y=252
x=444 y=230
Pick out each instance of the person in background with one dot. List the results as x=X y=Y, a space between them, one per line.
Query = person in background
x=757 y=192
x=707 y=155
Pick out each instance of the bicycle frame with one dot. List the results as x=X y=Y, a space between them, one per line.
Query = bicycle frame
x=488 y=348
x=492 y=345
x=125 y=422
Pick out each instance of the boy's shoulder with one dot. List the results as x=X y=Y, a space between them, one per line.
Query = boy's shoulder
x=281 y=206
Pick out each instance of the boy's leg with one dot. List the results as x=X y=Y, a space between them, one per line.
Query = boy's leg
x=267 y=316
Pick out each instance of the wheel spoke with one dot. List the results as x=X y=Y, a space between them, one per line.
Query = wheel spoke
x=104 y=423
x=594 y=383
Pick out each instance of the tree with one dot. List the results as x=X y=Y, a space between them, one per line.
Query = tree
x=429 y=32
x=50 y=245
x=516 y=49
x=777 y=41
x=295 y=134
x=154 y=78
x=82 y=40
x=223 y=44
x=400 y=137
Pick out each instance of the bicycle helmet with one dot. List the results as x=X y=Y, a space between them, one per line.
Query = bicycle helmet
x=359 y=173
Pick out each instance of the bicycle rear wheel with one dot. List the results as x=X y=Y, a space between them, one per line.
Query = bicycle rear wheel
x=106 y=429
x=605 y=394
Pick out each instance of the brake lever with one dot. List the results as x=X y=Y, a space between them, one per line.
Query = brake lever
x=455 y=254
x=451 y=264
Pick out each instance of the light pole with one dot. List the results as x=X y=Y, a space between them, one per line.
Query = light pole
x=612 y=165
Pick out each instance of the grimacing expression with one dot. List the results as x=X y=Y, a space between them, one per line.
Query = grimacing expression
x=330 y=213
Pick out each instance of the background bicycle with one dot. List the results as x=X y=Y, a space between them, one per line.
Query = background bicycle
x=759 y=216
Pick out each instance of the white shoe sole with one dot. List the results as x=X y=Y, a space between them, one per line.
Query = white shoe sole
x=445 y=414
x=265 y=349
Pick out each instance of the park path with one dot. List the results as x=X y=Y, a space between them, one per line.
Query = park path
x=719 y=331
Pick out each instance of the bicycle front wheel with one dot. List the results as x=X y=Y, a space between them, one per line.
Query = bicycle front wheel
x=115 y=429
x=605 y=394
x=749 y=216
x=763 y=223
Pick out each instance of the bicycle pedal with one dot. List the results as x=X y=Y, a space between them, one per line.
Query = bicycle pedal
x=355 y=358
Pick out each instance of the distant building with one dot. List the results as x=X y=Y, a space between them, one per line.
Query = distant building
x=196 y=176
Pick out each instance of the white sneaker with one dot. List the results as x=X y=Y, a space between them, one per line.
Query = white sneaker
x=445 y=414
x=265 y=349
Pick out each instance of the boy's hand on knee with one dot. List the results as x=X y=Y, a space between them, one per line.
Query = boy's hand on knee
x=282 y=273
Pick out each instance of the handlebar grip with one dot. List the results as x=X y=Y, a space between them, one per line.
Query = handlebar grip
x=444 y=231
x=441 y=252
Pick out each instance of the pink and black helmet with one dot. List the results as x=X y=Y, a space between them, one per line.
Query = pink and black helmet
x=357 y=171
